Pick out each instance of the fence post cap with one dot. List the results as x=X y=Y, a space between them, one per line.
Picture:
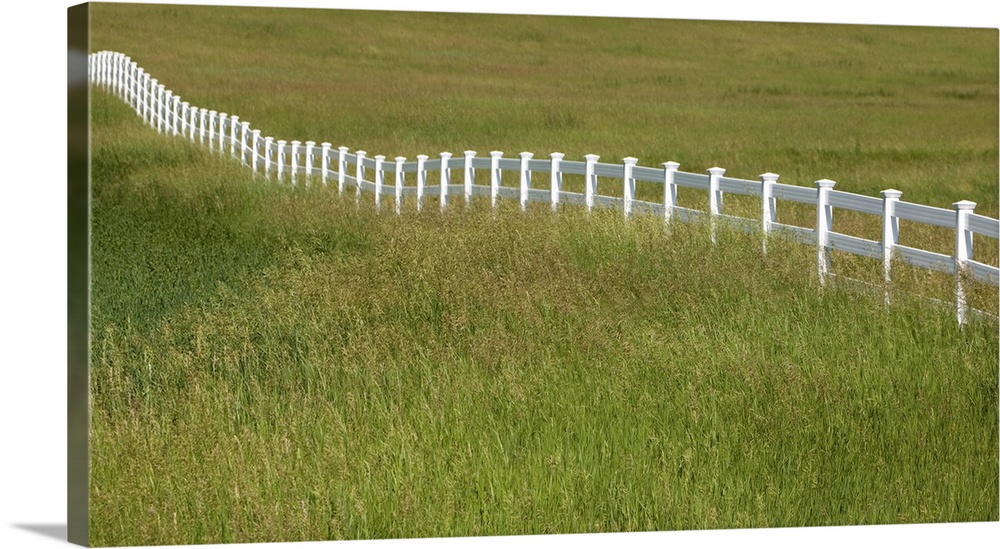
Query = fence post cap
x=400 y=159
x=282 y=141
x=527 y=155
x=630 y=160
x=244 y=123
x=422 y=157
x=268 y=138
x=496 y=154
x=185 y=104
x=255 y=132
x=769 y=176
x=235 y=118
x=470 y=153
x=379 y=157
x=891 y=193
x=447 y=154
x=716 y=170
x=557 y=156
x=212 y=112
x=671 y=165
x=592 y=157
x=826 y=183
x=360 y=153
x=294 y=142
x=964 y=205
x=310 y=143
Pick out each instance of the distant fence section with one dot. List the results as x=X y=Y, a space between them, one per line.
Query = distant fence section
x=168 y=113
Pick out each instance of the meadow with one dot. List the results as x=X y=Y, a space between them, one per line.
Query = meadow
x=276 y=363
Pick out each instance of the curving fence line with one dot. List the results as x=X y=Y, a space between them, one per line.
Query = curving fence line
x=165 y=111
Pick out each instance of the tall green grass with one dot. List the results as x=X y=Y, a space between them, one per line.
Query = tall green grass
x=275 y=363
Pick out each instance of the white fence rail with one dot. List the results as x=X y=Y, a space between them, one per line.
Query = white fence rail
x=162 y=109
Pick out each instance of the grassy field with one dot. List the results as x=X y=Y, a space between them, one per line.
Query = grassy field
x=271 y=363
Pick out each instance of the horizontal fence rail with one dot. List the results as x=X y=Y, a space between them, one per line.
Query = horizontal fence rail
x=405 y=179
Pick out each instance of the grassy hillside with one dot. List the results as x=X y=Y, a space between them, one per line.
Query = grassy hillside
x=277 y=363
x=872 y=107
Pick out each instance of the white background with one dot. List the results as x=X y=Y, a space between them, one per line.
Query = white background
x=33 y=217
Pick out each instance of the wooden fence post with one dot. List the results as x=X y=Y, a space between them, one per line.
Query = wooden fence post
x=359 y=175
x=193 y=122
x=211 y=130
x=107 y=69
x=244 y=130
x=295 y=159
x=421 y=180
x=669 y=190
x=151 y=98
x=590 y=182
x=119 y=84
x=714 y=198
x=162 y=124
x=379 y=180
x=147 y=101
x=95 y=67
x=172 y=112
x=341 y=168
x=890 y=236
x=469 y=176
x=128 y=82
x=149 y=84
x=628 y=184
x=555 y=182
x=310 y=145
x=446 y=176
x=267 y=156
x=137 y=92
x=400 y=179
x=158 y=106
x=824 y=222
x=281 y=159
x=768 y=203
x=170 y=122
x=141 y=93
x=123 y=62
x=963 y=253
x=234 y=123
x=495 y=176
x=222 y=132
x=185 y=117
x=525 y=179
x=178 y=116
x=203 y=124
x=324 y=163
x=254 y=150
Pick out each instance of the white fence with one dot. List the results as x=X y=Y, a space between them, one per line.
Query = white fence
x=165 y=111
